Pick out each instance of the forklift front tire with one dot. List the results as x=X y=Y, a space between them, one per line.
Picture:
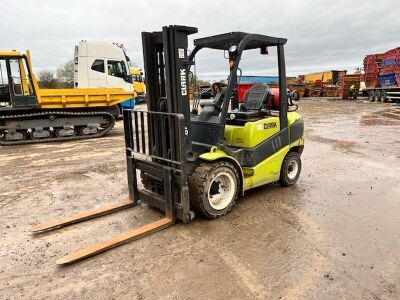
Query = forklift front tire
x=214 y=188
x=290 y=170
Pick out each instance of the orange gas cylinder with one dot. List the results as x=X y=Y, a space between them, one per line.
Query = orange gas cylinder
x=273 y=102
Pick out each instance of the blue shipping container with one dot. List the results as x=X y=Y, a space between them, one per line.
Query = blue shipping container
x=259 y=79
x=387 y=80
x=388 y=62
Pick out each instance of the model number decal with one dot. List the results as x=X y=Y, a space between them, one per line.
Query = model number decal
x=269 y=125
x=183 y=82
x=181 y=52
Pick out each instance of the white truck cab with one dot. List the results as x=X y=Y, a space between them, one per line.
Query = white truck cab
x=101 y=64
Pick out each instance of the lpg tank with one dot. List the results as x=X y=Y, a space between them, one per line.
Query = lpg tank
x=273 y=102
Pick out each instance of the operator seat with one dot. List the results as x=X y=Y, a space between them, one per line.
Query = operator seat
x=254 y=103
x=256 y=97
x=213 y=109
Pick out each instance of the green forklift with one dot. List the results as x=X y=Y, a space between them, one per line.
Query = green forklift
x=197 y=161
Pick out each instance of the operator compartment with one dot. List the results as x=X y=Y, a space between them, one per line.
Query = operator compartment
x=254 y=122
x=252 y=133
x=258 y=102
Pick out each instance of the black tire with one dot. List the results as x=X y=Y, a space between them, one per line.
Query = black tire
x=371 y=96
x=383 y=96
x=204 y=186
x=377 y=96
x=291 y=163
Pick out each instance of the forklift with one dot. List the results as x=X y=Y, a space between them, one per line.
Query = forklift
x=200 y=161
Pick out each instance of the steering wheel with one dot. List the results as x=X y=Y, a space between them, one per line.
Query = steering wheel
x=216 y=88
x=219 y=94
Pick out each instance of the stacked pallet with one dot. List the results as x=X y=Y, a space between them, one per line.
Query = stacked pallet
x=346 y=81
x=371 y=68
x=389 y=73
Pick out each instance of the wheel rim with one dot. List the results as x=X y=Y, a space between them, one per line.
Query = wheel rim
x=371 y=96
x=377 y=96
x=383 y=96
x=293 y=169
x=221 y=190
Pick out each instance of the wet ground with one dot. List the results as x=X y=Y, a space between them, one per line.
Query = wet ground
x=336 y=234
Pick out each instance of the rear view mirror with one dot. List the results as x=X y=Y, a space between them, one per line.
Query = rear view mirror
x=128 y=78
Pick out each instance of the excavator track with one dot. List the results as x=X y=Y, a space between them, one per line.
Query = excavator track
x=54 y=122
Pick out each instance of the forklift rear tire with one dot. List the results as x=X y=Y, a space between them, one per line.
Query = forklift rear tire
x=214 y=188
x=290 y=170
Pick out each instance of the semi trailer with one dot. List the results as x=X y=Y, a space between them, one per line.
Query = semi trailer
x=382 y=76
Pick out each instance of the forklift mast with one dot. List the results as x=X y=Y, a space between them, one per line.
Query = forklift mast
x=167 y=68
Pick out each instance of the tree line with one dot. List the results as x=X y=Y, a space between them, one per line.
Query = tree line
x=62 y=78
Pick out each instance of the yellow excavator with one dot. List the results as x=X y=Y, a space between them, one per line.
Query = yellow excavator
x=29 y=114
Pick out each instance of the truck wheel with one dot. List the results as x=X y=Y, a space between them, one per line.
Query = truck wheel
x=290 y=170
x=377 y=96
x=214 y=188
x=371 y=96
x=383 y=96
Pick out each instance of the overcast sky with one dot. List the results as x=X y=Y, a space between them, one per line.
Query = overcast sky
x=322 y=35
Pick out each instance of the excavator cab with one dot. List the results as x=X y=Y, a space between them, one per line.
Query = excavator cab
x=16 y=86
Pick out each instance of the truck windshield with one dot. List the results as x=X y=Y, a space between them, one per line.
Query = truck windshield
x=137 y=78
x=116 y=68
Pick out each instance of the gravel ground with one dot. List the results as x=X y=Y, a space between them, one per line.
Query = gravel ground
x=336 y=234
